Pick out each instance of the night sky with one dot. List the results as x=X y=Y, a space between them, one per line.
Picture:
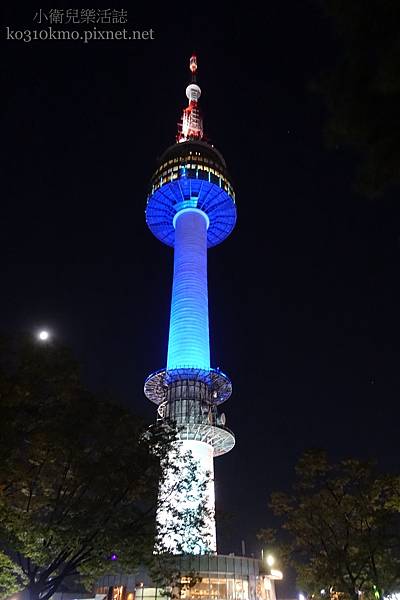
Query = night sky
x=304 y=295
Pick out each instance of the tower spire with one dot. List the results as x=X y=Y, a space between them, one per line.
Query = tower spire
x=193 y=67
x=191 y=125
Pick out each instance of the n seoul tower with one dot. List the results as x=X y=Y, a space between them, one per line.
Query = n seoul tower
x=191 y=207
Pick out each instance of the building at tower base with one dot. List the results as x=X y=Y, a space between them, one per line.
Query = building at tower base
x=219 y=577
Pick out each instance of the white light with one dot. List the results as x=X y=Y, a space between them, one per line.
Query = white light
x=323 y=592
x=43 y=335
x=302 y=597
x=270 y=560
x=275 y=574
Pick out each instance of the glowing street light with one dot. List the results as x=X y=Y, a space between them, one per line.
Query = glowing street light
x=270 y=560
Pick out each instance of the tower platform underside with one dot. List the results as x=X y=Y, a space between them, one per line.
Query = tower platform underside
x=190 y=192
x=220 y=438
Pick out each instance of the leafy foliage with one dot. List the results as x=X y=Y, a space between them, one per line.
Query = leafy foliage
x=342 y=527
x=11 y=577
x=183 y=499
x=79 y=475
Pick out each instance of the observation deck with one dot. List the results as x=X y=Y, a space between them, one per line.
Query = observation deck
x=191 y=174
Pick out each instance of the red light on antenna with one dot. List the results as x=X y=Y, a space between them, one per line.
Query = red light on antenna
x=193 y=63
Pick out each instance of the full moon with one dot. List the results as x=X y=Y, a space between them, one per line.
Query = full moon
x=43 y=335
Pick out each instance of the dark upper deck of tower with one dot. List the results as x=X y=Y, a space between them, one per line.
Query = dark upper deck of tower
x=198 y=159
x=194 y=146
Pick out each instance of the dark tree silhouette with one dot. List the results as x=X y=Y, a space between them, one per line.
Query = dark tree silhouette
x=341 y=528
x=79 y=475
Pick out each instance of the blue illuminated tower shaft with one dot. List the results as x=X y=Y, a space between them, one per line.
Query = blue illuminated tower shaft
x=189 y=344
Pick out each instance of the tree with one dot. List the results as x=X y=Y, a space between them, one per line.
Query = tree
x=341 y=526
x=362 y=89
x=11 y=577
x=79 y=474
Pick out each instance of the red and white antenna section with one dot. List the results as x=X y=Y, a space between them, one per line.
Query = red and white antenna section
x=191 y=127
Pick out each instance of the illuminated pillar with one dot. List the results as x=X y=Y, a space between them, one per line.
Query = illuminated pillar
x=189 y=344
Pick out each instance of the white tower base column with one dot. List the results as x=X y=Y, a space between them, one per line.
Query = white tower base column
x=180 y=502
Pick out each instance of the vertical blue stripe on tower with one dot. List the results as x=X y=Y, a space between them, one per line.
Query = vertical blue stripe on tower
x=188 y=344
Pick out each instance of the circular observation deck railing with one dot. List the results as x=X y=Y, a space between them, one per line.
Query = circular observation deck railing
x=219 y=384
x=219 y=437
